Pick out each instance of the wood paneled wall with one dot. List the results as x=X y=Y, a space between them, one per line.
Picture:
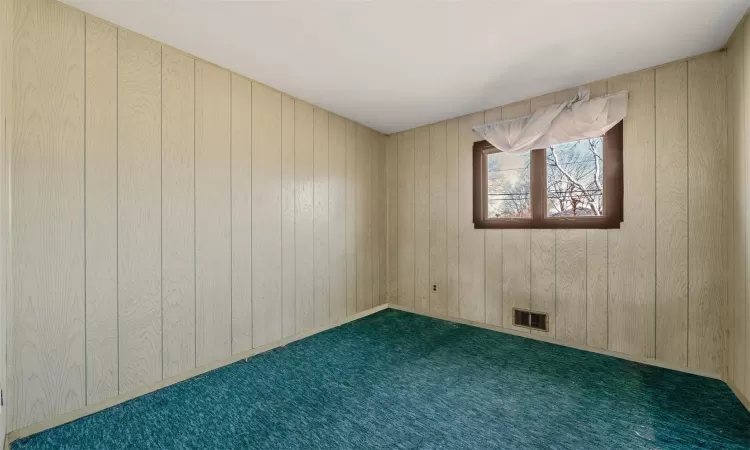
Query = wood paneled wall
x=738 y=111
x=6 y=39
x=169 y=213
x=656 y=288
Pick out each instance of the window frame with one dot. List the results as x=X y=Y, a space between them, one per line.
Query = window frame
x=612 y=190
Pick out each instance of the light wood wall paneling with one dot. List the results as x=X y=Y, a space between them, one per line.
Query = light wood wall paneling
x=451 y=217
x=266 y=216
x=46 y=358
x=364 y=250
x=6 y=85
x=597 y=304
x=596 y=268
x=516 y=274
x=320 y=217
x=406 y=218
x=738 y=79
x=671 y=213
x=493 y=257
x=178 y=211
x=542 y=279
x=596 y=275
x=437 y=217
x=422 y=217
x=304 y=215
x=632 y=259
x=139 y=210
x=391 y=170
x=707 y=206
x=288 y=238
x=378 y=221
x=384 y=243
x=242 y=208
x=370 y=221
x=374 y=218
x=337 y=214
x=101 y=210
x=470 y=241
x=736 y=244
x=570 y=268
x=516 y=258
x=745 y=139
x=213 y=215
x=351 y=218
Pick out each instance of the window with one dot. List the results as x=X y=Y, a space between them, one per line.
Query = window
x=573 y=185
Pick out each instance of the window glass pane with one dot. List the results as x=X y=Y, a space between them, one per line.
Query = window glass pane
x=508 y=186
x=575 y=178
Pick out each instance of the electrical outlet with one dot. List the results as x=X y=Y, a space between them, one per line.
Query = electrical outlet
x=434 y=288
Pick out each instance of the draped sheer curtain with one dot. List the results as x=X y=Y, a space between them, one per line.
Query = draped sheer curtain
x=576 y=119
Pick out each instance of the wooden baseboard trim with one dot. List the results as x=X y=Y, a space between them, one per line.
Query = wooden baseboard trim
x=638 y=359
x=744 y=400
x=91 y=409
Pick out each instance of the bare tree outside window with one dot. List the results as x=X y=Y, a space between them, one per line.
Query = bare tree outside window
x=508 y=185
x=575 y=177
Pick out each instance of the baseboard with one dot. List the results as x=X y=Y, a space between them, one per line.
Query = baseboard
x=638 y=359
x=91 y=409
x=744 y=400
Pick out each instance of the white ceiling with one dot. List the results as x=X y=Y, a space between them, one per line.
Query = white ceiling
x=394 y=65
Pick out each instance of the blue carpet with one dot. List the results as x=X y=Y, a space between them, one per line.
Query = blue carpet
x=399 y=380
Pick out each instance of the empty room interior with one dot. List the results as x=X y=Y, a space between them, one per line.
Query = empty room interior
x=374 y=224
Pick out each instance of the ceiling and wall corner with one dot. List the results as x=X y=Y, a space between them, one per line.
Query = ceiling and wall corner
x=395 y=65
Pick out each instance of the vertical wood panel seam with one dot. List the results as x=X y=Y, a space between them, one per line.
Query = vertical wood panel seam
x=195 y=222
x=281 y=209
x=328 y=212
x=687 y=209
x=398 y=239
x=231 y=213
x=161 y=205
x=117 y=206
x=85 y=266
x=656 y=222
x=313 y=210
x=294 y=220
x=252 y=297
x=281 y=223
x=328 y=220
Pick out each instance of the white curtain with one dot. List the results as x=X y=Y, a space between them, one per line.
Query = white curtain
x=575 y=119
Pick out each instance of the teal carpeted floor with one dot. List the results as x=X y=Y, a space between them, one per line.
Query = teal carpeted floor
x=398 y=380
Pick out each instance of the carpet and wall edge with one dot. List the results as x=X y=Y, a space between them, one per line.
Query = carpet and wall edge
x=94 y=408
x=91 y=409
x=638 y=359
x=651 y=362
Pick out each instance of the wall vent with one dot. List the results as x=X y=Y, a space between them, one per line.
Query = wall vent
x=530 y=319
